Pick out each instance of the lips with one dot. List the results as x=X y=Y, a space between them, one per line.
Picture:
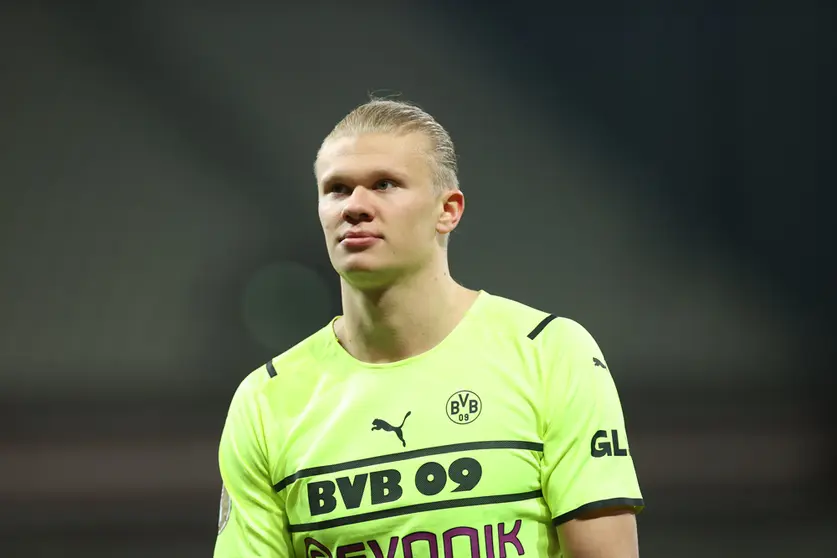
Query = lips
x=358 y=234
x=358 y=240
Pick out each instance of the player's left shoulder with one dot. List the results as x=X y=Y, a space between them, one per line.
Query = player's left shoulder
x=546 y=332
x=509 y=316
x=557 y=330
x=534 y=323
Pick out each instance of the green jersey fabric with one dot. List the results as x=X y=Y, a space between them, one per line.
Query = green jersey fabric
x=479 y=447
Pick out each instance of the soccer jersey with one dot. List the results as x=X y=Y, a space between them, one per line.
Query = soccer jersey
x=480 y=446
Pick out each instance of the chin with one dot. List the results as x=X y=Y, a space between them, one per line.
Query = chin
x=356 y=263
x=365 y=274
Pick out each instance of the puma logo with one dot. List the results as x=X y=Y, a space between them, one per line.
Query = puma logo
x=597 y=362
x=379 y=424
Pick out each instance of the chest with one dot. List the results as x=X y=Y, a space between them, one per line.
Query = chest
x=378 y=447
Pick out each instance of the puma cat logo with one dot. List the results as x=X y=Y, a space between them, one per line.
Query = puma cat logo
x=379 y=424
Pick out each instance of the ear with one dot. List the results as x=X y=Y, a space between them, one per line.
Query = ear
x=453 y=205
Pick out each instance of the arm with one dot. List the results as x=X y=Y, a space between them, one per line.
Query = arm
x=609 y=533
x=252 y=521
x=589 y=478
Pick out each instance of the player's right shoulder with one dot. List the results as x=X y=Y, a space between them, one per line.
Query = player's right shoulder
x=296 y=360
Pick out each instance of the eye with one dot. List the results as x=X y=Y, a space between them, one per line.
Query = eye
x=384 y=184
x=337 y=189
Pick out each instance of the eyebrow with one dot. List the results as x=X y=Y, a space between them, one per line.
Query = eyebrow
x=376 y=174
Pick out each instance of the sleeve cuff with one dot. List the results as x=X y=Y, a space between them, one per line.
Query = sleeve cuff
x=636 y=504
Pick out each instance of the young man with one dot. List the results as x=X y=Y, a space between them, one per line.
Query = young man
x=429 y=419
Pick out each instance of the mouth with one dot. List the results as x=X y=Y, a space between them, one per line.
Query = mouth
x=358 y=234
x=359 y=239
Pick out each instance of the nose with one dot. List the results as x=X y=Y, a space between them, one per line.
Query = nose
x=358 y=207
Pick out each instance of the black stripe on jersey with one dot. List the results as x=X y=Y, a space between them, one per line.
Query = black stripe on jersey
x=539 y=328
x=416 y=508
x=610 y=503
x=392 y=457
x=271 y=371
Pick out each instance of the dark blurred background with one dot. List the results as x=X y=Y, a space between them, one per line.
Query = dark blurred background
x=661 y=172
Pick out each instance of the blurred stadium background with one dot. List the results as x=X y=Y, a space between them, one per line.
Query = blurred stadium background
x=662 y=173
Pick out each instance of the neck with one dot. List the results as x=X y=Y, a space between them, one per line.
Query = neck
x=404 y=319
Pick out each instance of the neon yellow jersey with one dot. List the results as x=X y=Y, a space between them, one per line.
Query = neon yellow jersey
x=479 y=447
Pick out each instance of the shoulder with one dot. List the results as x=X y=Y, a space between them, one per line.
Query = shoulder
x=536 y=324
x=293 y=362
x=548 y=336
x=510 y=316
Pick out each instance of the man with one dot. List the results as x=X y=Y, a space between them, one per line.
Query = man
x=429 y=419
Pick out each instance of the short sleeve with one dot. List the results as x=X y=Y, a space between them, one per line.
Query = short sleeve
x=587 y=462
x=252 y=520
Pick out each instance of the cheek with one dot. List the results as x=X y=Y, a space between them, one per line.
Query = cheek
x=326 y=213
x=421 y=225
x=429 y=218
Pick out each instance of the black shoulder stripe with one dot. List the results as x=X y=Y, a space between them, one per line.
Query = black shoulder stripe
x=271 y=371
x=539 y=328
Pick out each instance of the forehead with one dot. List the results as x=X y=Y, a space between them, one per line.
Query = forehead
x=405 y=154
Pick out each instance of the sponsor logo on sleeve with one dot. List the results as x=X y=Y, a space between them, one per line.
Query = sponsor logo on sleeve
x=606 y=443
x=224 y=509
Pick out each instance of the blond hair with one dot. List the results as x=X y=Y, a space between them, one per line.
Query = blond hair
x=386 y=116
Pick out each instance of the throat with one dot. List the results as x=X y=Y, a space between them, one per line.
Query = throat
x=384 y=333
